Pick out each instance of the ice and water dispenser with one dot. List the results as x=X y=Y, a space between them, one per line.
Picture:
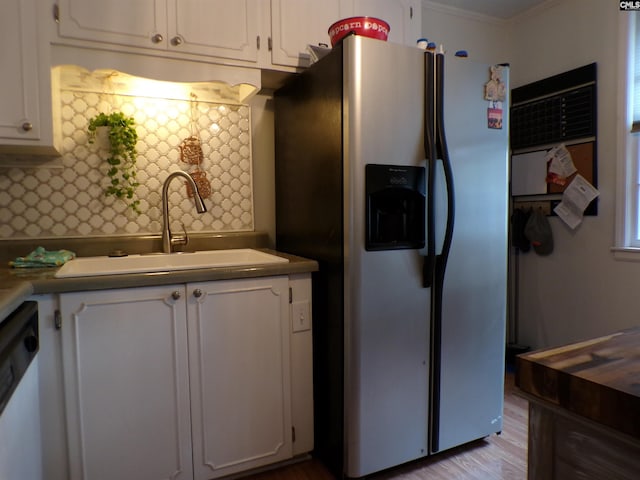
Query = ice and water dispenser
x=395 y=207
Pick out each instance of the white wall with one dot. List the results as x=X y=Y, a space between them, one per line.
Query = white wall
x=580 y=290
x=485 y=38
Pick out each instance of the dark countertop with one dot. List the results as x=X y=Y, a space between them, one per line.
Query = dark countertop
x=16 y=285
x=598 y=379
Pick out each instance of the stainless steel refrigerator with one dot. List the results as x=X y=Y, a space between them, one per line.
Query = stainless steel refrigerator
x=388 y=175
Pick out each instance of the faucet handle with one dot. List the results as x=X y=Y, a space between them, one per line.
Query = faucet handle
x=181 y=238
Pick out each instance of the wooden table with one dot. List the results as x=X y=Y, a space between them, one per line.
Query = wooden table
x=584 y=408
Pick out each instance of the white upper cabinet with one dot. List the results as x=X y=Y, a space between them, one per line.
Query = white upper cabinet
x=298 y=23
x=141 y=23
x=215 y=28
x=403 y=16
x=269 y=34
x=25 y=100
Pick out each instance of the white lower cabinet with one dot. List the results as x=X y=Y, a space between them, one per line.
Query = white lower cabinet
x=126 y=378
x=239 y=370
x=190 y=381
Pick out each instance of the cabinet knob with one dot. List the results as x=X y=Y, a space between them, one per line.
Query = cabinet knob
x=176 y=295
x=197 y=293
x=177 y=40
x=157 y=38
x=27 y=126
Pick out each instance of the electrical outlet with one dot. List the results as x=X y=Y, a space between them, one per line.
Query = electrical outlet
x=300 y=316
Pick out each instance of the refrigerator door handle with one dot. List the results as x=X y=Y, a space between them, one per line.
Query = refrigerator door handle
x=441 y=260
x=430 y=151
x=443 y=153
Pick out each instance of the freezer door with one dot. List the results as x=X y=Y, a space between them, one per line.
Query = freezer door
x=386 y=308
x=472 y=346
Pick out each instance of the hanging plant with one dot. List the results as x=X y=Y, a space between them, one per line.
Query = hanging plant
x=122 y=155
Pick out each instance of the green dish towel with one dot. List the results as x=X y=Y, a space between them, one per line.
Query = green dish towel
x=43 y=258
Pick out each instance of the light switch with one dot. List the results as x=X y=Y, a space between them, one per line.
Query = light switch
x=300 y=316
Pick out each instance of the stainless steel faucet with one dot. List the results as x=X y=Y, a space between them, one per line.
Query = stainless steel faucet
x=168 y=239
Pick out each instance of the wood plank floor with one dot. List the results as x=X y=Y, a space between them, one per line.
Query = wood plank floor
x=499 y=457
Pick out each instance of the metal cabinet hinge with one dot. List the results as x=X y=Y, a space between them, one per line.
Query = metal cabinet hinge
x=270 y=44
x=258 y=42
x=410 y=12
x=57 y=319
x=56 y=13
x=293 y=434
x=290 y=295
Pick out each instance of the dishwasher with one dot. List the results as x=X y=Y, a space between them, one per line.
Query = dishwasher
x=20 y=437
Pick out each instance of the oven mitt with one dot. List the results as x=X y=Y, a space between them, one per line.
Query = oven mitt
x=43 y=258
x=538 y=231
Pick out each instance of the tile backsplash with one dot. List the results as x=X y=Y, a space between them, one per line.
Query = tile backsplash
x=67 y=200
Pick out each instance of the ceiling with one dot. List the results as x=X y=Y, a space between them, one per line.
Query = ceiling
x=503 y=9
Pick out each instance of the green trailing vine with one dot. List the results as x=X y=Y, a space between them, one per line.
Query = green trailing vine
x=122 y=155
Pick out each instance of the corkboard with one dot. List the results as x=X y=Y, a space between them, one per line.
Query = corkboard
x=583 y=156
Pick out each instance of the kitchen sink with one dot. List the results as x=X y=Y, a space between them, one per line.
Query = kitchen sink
x=165 y=262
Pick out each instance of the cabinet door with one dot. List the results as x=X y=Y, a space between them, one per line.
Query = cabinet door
x=126 y=384
x=141 y=23
x=298 y=23
x=19 y=98
x=216 y=27
x=403 y=16
x=239 y=371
